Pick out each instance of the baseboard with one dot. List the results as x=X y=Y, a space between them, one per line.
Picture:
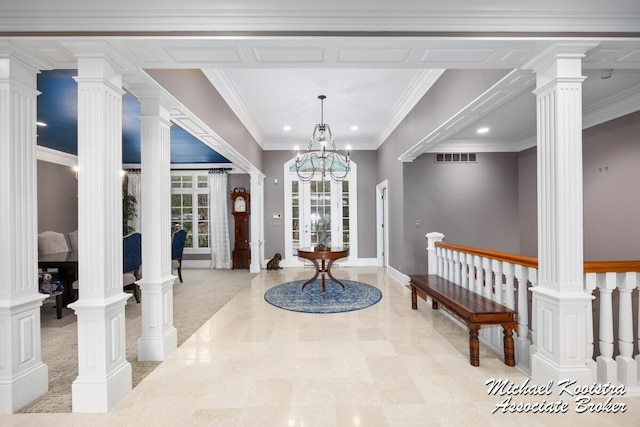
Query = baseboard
x=398 y=276
x=196 y=263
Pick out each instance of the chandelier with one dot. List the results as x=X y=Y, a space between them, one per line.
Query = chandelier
x=322 y=160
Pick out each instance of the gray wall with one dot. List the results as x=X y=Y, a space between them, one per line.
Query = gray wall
x=611 y=199
x=57 y=198
x=194 y=90
x=527 y=202
x=473 y=204
x=454 y=90
x=273 y=162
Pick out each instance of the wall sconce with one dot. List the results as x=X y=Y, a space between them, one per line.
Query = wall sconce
x=75 y=171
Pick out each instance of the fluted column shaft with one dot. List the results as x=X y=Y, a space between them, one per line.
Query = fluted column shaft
x=256 y=226
x=159 y=336
x=559 y=300
x=104 y=375
x=23 y=376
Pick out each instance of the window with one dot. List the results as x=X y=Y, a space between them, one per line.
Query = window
x=190 y=208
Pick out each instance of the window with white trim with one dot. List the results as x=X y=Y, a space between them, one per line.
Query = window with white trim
x=190 y=208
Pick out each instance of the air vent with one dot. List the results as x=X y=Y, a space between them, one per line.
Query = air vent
x=455 y=157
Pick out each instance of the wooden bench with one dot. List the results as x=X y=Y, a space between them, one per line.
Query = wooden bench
x=475 y=310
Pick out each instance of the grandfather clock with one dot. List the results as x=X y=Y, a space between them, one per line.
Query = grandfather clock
x=241 y=256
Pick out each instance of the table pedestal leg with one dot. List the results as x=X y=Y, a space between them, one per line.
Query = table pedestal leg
x=331 y=275
x=315 y=276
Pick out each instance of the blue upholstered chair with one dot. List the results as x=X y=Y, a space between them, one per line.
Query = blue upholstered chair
x=177 y=247
x=131 y=262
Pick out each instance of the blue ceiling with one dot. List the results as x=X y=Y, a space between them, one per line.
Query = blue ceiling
x=58 y=108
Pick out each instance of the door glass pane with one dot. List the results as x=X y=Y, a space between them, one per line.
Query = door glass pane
x=295 y=216
x=345 y=214
x=320 y=213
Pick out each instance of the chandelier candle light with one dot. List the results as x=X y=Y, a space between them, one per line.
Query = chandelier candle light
x=322 y=160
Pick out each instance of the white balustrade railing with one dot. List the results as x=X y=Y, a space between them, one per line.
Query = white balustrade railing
x=507 y=279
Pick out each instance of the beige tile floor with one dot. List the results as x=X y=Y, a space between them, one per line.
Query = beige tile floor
x=253 y=364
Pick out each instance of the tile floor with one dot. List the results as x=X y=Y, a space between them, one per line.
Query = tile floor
x=253 y=364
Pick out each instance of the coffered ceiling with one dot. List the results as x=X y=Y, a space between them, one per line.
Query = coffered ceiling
x=373 y=60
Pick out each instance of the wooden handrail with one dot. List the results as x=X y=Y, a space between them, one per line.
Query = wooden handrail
x=589 y=266
x=612 y=266
x=500 y=256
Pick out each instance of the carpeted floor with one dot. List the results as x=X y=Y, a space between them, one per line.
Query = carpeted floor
x=201 y=295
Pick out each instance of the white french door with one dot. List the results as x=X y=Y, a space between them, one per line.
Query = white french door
x=315 y=206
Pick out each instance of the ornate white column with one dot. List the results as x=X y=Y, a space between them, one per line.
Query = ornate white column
x=104 y=375
x=159 y=336
x=559 y=300
x=23 y=376
x=257 y=222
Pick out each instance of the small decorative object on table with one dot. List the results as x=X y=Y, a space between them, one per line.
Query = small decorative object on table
x=324 y=236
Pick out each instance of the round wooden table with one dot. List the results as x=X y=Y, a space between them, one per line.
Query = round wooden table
x=331 y=254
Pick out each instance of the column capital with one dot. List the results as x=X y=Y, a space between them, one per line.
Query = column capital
x=11 y=52
x=559 y=51
x=560 y=62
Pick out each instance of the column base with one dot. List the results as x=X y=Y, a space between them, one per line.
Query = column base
x=152 y=349
x=544 y=370
x=159 y=337
x=101 y=394
x=24 y=388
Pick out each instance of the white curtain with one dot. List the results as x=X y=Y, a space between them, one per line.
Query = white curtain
x=133 y=188
x=219 y=221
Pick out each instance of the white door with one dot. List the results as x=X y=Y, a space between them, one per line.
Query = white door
x=315 y=210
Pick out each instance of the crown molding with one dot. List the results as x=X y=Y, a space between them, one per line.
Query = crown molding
x=504 y=90
x=416 y=90
x=611 y=108
x=166 y=16
x=227 y=89
x=54 y=156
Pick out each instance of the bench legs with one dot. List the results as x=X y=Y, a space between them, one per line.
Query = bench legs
x=474 y=345
x=509 y=357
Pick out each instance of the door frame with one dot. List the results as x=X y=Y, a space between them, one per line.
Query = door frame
x=290 y=259
x=382 y=217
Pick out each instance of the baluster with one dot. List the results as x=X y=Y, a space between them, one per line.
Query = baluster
x=471 y=276
x=589 y=286
x=523 y=357
x=638 y=326
x=533 y=279
x=606 y=364
x=456 y=267
x=464 y=270
x=508 y=270
x=627 y=368
x=477 y=261
x=488 y=278
x=447 y=264
x=439 y=251
x=451 y=266
x=498 y=288
x=496 y=271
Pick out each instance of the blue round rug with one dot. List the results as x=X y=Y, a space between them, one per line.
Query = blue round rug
x=355 y=296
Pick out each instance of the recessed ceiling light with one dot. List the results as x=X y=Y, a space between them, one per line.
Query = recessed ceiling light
x=43 y=124
x=354 y=127
x=286 y=128
x=483 y=129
